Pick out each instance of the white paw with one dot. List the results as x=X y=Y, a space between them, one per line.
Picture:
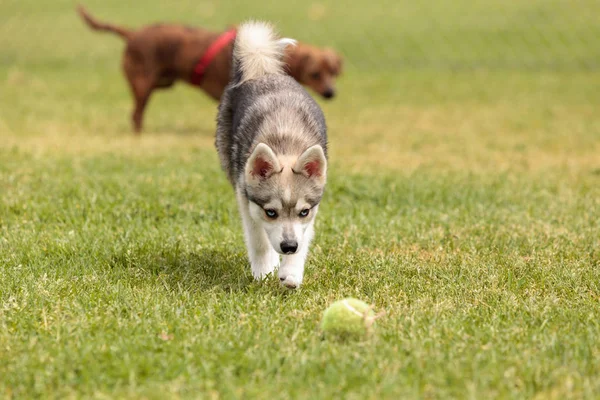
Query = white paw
x=291 y=281
x=290 y=276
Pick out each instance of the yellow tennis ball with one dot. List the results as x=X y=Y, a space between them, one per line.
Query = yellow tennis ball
x=348 y=319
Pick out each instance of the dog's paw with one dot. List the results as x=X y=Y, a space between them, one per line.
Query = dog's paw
x=290 y=282
x=290 y=275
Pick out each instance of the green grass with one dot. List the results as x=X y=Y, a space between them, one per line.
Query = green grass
x=463 y=202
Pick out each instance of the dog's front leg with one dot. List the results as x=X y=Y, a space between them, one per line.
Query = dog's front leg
x=263 y=258
x=291 y=272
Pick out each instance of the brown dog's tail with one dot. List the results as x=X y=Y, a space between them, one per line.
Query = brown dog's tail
x=101 y=26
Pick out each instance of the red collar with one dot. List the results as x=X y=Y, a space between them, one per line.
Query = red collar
x=200 y=69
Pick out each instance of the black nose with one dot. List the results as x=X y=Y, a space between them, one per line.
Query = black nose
x=289 y=246
x=329 y=94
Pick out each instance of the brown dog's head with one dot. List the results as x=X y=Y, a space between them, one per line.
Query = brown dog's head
x=314 y=67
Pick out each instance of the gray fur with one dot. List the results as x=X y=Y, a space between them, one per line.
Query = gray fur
x=246 y=118
x=272 y=143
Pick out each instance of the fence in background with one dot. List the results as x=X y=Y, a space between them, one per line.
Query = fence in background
x=388 y=34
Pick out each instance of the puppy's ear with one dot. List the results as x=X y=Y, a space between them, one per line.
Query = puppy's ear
x=312 y=164
x=262 y=164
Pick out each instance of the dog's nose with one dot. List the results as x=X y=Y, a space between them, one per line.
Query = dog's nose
x=289 y=246
x=329 y=94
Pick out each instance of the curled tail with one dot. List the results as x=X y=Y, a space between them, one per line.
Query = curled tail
x=257 y=52
x=101 y=26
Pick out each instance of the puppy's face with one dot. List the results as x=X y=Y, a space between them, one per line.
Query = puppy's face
x=284 y=194
x=315 y=68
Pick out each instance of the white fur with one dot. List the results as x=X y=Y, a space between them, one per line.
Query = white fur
x=258 y=51
x=263 y=239
x=291 y=272
x=274 y=229
x=262 y=255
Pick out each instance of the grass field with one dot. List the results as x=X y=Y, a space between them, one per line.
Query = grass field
x=463 y=199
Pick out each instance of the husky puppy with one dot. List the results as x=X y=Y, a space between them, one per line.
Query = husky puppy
x=272 y=142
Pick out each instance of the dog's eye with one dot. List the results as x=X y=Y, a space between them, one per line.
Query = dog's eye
x=315 y=75
x=271 y=213
x=304 y=213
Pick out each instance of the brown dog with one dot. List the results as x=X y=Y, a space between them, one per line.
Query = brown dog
x=158 y=55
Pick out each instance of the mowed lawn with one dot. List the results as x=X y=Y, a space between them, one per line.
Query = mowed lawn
x=463 y=199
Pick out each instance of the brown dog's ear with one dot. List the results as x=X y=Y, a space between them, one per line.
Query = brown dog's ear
x=335 y=60
x=296 y=61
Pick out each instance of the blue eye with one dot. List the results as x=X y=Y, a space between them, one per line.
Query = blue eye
x=271 y=213
x=304 y=213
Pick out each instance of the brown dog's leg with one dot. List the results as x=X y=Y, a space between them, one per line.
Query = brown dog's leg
x=142 y=88
x=142 y=81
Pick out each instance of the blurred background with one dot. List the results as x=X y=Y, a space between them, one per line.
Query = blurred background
x=464 y=71
x=381 y=34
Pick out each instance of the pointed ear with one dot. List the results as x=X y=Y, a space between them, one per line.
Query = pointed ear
x=262 y=164
x=312 y=164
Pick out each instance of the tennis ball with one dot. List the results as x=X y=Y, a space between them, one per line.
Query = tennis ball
x=348 y=319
